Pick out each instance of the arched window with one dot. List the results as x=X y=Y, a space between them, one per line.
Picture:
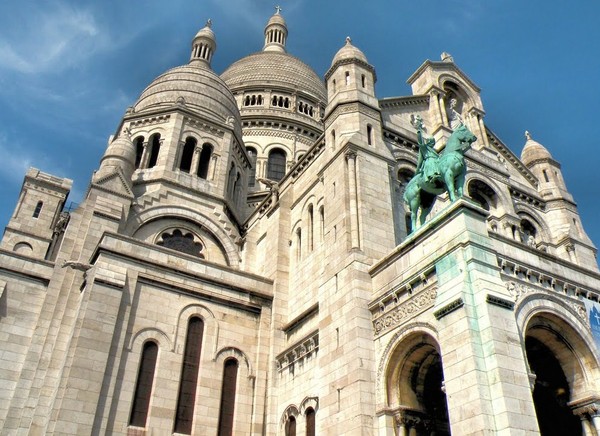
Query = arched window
x=310 y=421
x=228 y=388
x=310 y=228
x=237 y=189
x=154 y=150
x=369 y=134
x=204 y=161
x=231 y=180
x=38 y=209
x=143 y=387
x=276 y=164
x=290 y=426
x=139 y=150
x=252 y=174
x=321 y=223
x=363 y=80
x=333 y=138
x=299 y=244
x=347 y=78
x=482 y=194
x=187 y=154
x=23 y=248
x=189 y=376
x=247 y=101
x=528 y=232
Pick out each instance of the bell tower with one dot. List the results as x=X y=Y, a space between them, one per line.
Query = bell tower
x=453 y=99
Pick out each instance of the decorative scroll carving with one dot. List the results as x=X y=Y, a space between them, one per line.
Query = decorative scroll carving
x=401 y=313
x=518 y=291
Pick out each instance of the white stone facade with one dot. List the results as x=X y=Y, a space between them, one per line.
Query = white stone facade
x=265 y=205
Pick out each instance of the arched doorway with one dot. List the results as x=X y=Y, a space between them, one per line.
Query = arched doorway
x=564 y=369
x=551 y=392
x=415 y=386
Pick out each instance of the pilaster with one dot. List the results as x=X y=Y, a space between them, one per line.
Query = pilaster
x=485 y=371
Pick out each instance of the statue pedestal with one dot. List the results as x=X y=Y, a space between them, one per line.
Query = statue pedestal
x=470 y=315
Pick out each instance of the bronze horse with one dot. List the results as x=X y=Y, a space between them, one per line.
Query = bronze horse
x=420 y=193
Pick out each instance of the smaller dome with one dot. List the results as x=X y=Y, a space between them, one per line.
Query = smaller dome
x=277 y=18
x=194 y=85
x=206 y=31
x=348 y=51
x=120 y=153
x=533 y=151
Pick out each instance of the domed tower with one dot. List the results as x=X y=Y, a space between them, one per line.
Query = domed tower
x=561 y=210
x=180 y=151
x=351 y=81
x=281 y=102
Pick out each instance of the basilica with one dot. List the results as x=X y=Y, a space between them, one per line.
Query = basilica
x=244 y=262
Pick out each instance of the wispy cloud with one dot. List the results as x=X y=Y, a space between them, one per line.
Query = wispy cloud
x=16 y=159
x=51 y=40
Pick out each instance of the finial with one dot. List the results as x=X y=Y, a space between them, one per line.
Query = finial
x=527 y=135
x=348 y=40
x=277 y=9
x=209 y=23
x=447 y=57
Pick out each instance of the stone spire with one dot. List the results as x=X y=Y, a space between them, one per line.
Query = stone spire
x=203 y=46
x=275 y=32
x=533 y=151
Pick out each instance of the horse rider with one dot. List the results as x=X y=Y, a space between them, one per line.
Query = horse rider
x=427 y=163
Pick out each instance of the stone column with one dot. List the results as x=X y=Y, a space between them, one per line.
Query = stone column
x=586 y=425
x=212 y=170
x=596 y=422
x=351 y=159
x=195 y=158
x=434 y=103
x=442 y=103
x=145 y=155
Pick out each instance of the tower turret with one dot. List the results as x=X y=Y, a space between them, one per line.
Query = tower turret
x=351 y=80
x=561 y=210
x=119 y=157
x=204 y=45
x=539 y=160
x=275 y=32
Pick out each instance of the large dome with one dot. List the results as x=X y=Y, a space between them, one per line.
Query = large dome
x=199 y=87
x=268 y=68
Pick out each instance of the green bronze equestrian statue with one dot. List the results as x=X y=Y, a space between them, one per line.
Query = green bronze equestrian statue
x=435 y=173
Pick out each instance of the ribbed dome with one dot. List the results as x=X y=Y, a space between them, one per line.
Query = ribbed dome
x=194 y=85
x=206 y=32
x=276 y=19
x=274 y=68
x=348 y=51
x=533 y=151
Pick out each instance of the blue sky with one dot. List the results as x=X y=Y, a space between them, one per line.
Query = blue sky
x=70 y=68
